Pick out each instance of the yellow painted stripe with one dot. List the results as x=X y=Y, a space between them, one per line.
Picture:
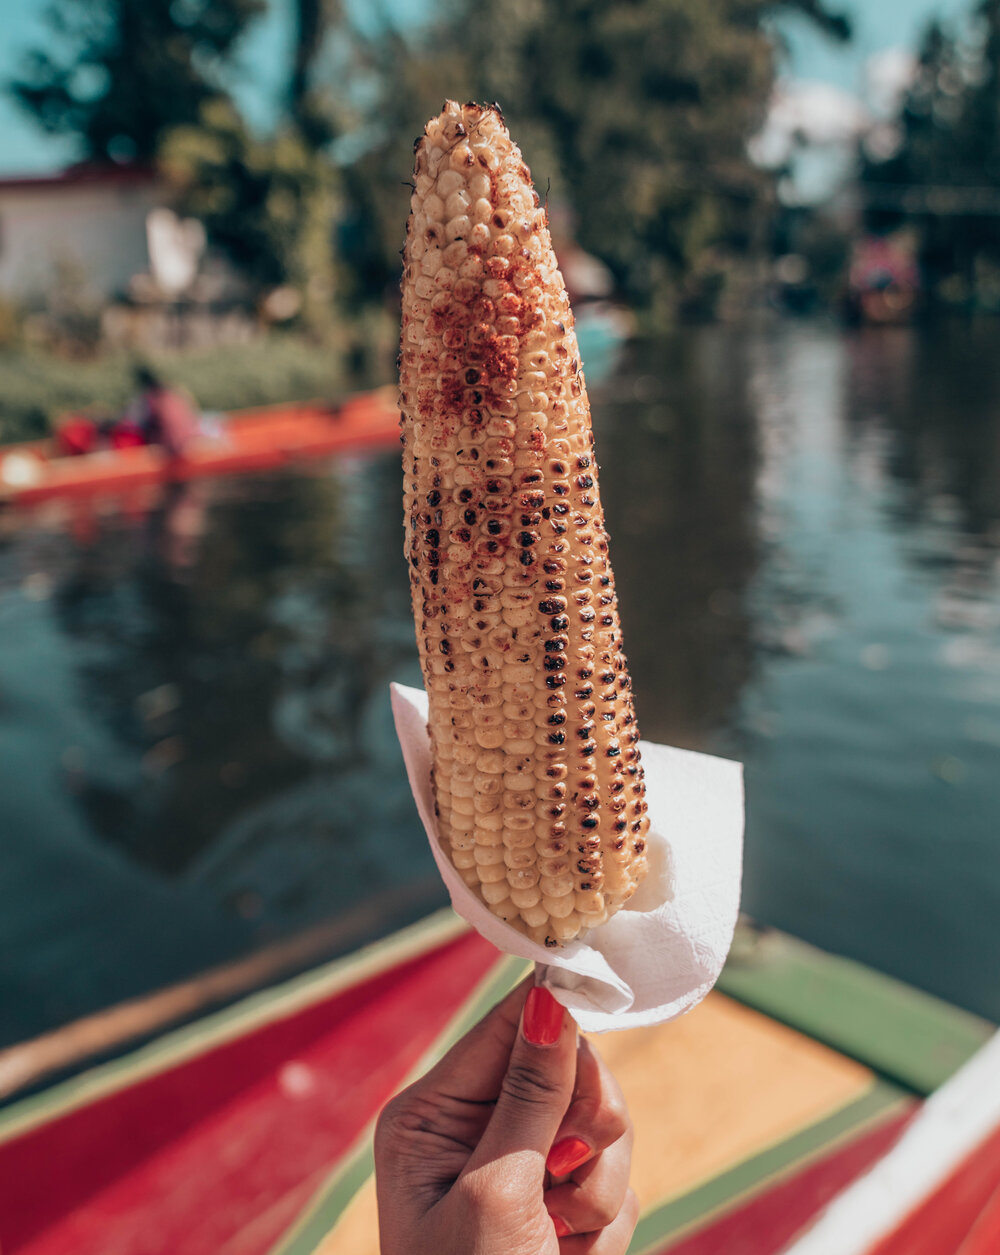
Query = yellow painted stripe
x=718 y=1086
x=702 y=1206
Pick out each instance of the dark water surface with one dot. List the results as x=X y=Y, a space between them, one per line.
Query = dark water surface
x=196 y=752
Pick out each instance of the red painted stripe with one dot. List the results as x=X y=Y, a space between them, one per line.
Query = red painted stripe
x=765 y=1224
x=941 y=1224
x=183 y=1161
x=984 y=1236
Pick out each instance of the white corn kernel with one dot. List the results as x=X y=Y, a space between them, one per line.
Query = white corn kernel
x=497 y=445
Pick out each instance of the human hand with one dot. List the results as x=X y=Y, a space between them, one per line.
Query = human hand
x=515 y=1143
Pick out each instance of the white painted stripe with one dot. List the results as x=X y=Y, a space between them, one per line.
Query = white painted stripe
x=956 y=1119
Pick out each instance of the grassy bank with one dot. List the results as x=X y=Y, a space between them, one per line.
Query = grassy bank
x=36 y=387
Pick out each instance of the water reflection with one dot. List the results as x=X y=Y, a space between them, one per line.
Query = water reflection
x=194 y=723
x=869 y=728
x=678 y=451
x=224 y=662
x=807 y=539
x=241 y=669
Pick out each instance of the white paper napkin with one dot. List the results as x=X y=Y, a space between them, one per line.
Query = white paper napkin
x=662 y=953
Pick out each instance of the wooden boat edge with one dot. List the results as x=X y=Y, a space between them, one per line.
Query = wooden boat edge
x=888 y=1097
x=668 y=1219
x=255 y=1010
x=355 y=422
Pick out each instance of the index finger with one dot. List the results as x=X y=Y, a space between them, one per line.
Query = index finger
x=596 y=1117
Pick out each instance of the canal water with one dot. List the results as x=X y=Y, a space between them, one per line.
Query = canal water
x=196 y=752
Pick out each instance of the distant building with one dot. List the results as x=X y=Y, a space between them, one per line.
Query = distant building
x=108 y=235
x=92 y=218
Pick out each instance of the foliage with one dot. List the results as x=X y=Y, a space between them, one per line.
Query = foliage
x=39 y=387
x=11 y=324
x=267 y=203
x=69 y=320
x=117 y=74
x=308 y=106
x=945 y=174
x=649 y=107
x=634 y=115
x=141 y=79
x=391 y=85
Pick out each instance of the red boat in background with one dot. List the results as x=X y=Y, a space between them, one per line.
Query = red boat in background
x=245 y=440
x=884 y=279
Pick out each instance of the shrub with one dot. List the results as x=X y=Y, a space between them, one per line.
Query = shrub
x=38 y=387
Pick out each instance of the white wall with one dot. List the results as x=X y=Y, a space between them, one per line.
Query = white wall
x=99 y=227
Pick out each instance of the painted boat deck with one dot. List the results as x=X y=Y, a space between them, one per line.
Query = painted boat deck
x=249 y=1133
x=745 y=1125
x=185 y=1145
x=963 y=1215
x=706 y=1094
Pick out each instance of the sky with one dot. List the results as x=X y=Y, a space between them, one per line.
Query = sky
x=878 y=26
x=24 y=149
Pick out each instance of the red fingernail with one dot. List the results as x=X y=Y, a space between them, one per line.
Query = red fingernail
x=567 y=1155
x=542 y=1017
x=561 y=1227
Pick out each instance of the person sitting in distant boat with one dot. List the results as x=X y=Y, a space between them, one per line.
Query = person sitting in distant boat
x=125 y=433
x=165 y=416
x=76 y=434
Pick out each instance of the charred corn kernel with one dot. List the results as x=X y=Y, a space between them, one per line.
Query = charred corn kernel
x=536 y=769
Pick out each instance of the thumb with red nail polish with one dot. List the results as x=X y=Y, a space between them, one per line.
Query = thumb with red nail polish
x=537 y=1087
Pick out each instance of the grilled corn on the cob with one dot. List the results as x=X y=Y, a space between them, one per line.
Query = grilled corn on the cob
x=537 y=778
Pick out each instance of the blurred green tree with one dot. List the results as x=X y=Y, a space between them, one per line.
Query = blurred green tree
x=388 y=85
x=649 y=106
x=308 y=105
x=944 y=172
x=634 y=115
x=117 y=74
x=267 y=203
x=143 y=80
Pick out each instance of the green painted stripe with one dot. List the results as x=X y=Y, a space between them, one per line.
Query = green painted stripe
x=698 y=1207
x=333 y=1197
x=907 y=1035
x=245 y=1016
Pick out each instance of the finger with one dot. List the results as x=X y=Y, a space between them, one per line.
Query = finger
x=596 y=1194
x=613 y=1239
x=597 y=1116
x=537 y=1087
